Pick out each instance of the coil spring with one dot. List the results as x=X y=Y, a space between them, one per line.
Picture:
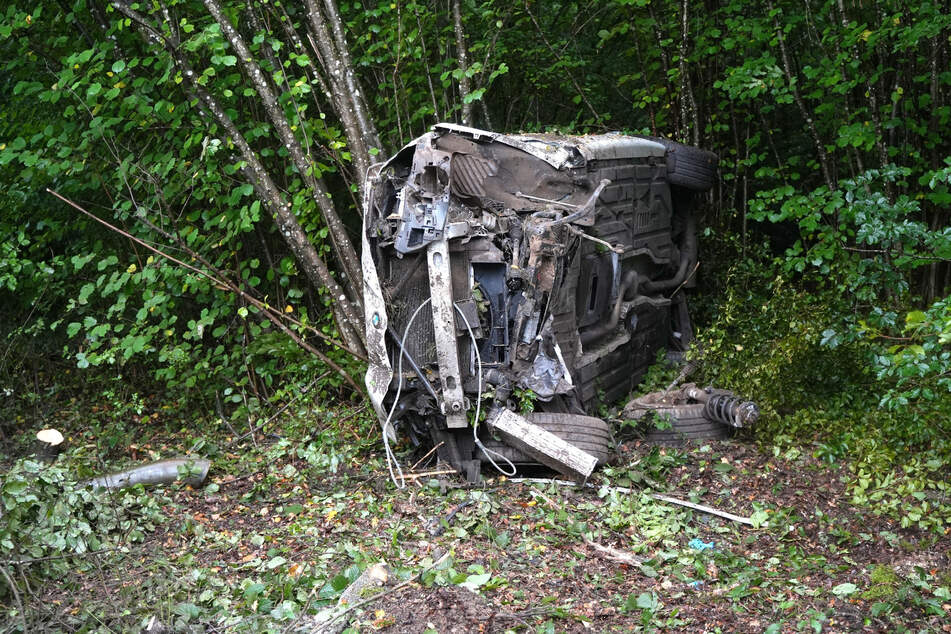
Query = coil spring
x=731 y=410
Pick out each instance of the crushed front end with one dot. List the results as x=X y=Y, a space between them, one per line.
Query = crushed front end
x=499 y=266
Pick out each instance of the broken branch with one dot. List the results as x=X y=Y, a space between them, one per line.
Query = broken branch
x=657 y=496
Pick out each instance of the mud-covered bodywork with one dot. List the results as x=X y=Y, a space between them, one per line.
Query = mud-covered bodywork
x=501 y=263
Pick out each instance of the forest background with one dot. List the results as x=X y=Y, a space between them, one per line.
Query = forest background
x=182 y=183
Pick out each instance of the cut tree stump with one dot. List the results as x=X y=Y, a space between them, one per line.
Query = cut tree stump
x=542 y=445
x=49 y=443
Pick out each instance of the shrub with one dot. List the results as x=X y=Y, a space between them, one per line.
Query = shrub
x=48 y=518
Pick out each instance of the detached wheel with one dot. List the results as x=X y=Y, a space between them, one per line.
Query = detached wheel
x=587 y=433
x=688 y=166
x=687 y=423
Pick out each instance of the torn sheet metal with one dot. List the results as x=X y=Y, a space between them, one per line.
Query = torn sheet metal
x=544 y=259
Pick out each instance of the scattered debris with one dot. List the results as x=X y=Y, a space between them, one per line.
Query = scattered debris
x=698 y=544
x=724 y=407
x=691 y=414
x=435 y=526
x=190 y=471
x=657 y=496
x=542 y=445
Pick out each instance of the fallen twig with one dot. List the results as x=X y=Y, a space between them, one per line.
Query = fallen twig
x=703 y=509
x=607 y=551
x=428 y=454
x=614 y=554
x=657 y=496
x=426 y=474
x=435 y=527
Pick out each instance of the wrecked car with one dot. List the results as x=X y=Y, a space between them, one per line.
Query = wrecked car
x=500 y=268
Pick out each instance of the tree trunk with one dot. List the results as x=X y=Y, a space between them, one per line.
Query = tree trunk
x=349 y=319
x=810 y=123
x=465 y=88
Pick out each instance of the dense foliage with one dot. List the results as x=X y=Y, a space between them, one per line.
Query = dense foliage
x=226 y=144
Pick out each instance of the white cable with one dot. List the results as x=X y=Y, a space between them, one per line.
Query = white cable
x=390 y=456
x=475 y=425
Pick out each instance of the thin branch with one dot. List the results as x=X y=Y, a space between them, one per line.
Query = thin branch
x=225 y=286
x=574 y=82
x=16 y=596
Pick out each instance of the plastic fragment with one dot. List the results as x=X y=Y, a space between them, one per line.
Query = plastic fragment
x=698 y=544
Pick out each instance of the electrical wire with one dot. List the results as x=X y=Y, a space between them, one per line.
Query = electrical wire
x=475 y=425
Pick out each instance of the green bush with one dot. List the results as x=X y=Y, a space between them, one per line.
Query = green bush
x=48 y=517
x=766 y=342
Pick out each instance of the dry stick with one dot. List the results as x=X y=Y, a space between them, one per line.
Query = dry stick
x=426 y=474
x=380 y=595
x=703 y=509
x=611 y=553
x=656 y=496
x=16 y=596
x=687 y=279
x=224 y=286
x=428 y=454
x=614 y=554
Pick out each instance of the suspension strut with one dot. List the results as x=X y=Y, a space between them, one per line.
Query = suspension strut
x=724 y=407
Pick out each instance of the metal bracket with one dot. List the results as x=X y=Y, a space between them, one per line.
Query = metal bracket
x=453 y=403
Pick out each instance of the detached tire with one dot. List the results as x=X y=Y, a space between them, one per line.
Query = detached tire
x=587 y=433
x=688 y=166
x=687 y=423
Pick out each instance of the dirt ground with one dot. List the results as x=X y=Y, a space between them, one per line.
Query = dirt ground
x=528 y=556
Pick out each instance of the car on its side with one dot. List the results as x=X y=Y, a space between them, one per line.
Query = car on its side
x=503 y=267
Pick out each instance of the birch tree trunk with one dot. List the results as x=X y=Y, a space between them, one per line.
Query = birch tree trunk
x=462 y=57
x=347 y=315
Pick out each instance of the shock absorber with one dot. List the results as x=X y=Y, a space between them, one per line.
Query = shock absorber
x=731 y=410
x=724 y=407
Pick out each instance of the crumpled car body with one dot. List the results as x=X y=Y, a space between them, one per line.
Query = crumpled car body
x=500 y=267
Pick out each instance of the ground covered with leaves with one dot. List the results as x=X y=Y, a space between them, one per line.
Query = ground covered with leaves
x=291 y=515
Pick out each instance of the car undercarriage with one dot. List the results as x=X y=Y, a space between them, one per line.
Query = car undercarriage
x=500 y=269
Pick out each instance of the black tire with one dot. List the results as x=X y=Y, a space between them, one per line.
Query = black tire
x=689 y=167
x=587 y=433
x=687 y=423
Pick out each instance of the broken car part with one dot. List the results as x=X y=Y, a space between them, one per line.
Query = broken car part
x=523 y=266
x=190 y=471
x=724 y=407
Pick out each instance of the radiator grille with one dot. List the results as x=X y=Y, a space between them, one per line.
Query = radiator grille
x=410 y=277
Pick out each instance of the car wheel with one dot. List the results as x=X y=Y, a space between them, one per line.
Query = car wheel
x=687 y=423
x=689 y=167
x=587 y=433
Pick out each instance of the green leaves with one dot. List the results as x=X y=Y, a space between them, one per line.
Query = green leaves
x=844 y=590
x=47 y=515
